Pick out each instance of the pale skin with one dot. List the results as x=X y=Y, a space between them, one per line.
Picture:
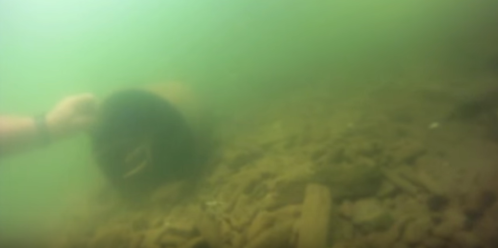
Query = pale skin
x=72 y=115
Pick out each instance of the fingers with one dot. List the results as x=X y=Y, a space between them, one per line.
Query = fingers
x=73 y=114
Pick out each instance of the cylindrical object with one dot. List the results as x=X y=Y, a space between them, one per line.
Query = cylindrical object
x=146 y=137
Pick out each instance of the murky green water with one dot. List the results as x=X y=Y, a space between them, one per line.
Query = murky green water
x=239 y=54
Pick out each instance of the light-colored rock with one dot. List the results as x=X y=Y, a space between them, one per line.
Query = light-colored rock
x=421 y=179
x=277 y=236
x=400 y=182
x=370 y=215
x=314 y=221
x=262 y=221
x=289 y=212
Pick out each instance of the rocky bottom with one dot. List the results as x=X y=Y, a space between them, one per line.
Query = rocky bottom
x=398 y=166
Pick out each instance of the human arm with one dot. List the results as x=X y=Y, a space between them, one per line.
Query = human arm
x=70 y=116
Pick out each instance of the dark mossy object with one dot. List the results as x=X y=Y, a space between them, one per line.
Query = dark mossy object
x=142 y=141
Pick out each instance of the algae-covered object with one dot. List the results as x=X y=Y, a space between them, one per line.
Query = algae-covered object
x=145 y=137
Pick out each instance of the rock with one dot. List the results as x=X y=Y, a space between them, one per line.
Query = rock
x=278 y=236
x=417 y=230
x=487 y=228
x=185 y=228
x=242 y=213
x=152 y=237
x=437 y=203
x=400 y=245
x=387 y=189
x=387 y=238
x=453 y=220
x=370 y=215
x=238 y=240
x=434 y=242
x=349 y=181
x=262 y=221
x=344 y=230
x=210 y=230
x=117 y=236
x=196 y=243
x=421 y=179
x=169 y=240
x=476 y=203
x=314 y=222
x=465 y=240
x=289 y=212
x=288 y=191
x=346 y=209
x=400 y=182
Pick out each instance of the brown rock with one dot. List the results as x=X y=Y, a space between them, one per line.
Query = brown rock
x=486 y=229
x=476 y=203
x=343 y=230
x=465 y=240
x=400 y=245
x=437 y=203
x=453 y=220
x=434 y=242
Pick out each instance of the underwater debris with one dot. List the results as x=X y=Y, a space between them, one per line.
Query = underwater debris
x=389 y=179
x=277 y=236
x=369 y=215
x=313 y=225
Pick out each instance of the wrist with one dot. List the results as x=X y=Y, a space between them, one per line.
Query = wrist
x=54 y=126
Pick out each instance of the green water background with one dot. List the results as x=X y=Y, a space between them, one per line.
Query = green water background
x=237 y=53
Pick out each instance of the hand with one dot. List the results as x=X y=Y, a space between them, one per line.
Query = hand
x=72 y=114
